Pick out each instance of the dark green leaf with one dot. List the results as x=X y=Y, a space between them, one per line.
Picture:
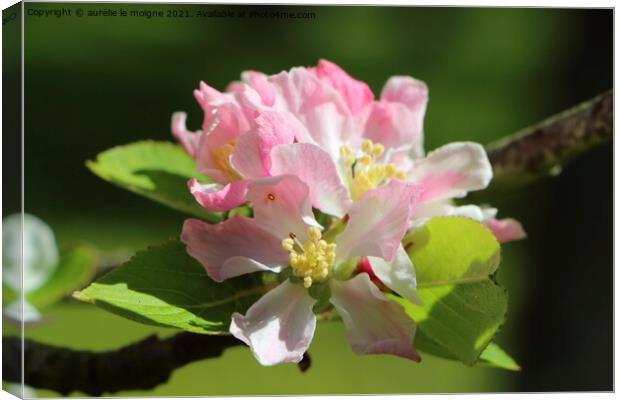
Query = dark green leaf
x=164 y=286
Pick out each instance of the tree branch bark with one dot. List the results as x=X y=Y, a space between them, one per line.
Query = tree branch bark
x=543 y=149
x=139 y=366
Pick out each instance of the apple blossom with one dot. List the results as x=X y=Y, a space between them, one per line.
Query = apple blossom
x=284 y=237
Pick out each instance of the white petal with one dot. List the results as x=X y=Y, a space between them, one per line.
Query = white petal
x=279 y=326
x=378 y=221
x=398 y=275
x=374 y=323
x=446 y=207
x=452 y=171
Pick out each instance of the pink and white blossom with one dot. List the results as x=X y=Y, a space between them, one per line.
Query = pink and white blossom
x=317 y=138
x=284 y=234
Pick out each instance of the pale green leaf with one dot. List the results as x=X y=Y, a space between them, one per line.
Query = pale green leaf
x=164 y=286
x=463 y=307
x=494 y=356
x=157 y=170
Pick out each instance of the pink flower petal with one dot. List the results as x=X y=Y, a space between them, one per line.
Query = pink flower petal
x=279 y=326
x=318 y=106
x=215 y=197
x=248 y=157
x=316 y=168
x=398 y=275
x=397 y=120
x=207 y=96
x=187 y=139
x=282 y=206
x=258 y=81
x=252 y=154
x=452 y=171
x=408 y=91
x=374 y=323
x=234 y=247
x=355 y=93
x=506 y=230
x=393 y=125
x=378 y=221
x=212 y=101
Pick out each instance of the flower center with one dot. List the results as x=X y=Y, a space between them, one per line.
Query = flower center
x=312 y=260
x=364 y=172
x=221 y=156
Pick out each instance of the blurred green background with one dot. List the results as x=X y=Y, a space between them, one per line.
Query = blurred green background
x=95 y=82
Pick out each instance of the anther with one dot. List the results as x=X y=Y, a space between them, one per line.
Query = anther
x=367 y=146
x=377 y=149
x=345 y=151
x=287 y=244
x=271 y=196
x=314 y=234
x=365 y=159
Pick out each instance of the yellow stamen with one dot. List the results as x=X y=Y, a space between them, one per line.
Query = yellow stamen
x=311 y=260
x=345 y=151
x=364 y=172
x=367 y=146
x=314 y=234
x=377 y=149
x=365 y=159
x=287 y=244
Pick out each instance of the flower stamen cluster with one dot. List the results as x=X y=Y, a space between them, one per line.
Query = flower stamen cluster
x=312 y=260
x=365 y=171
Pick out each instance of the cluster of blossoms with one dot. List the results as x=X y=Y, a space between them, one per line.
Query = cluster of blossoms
x=315 y=142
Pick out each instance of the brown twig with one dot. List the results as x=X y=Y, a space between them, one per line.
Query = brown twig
x=543 y=149
x=139 y=366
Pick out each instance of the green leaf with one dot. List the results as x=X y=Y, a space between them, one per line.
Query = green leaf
x=164 y=286
x=157 y=170
x=494 y=356
x=75 y=268
x=463 y=307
